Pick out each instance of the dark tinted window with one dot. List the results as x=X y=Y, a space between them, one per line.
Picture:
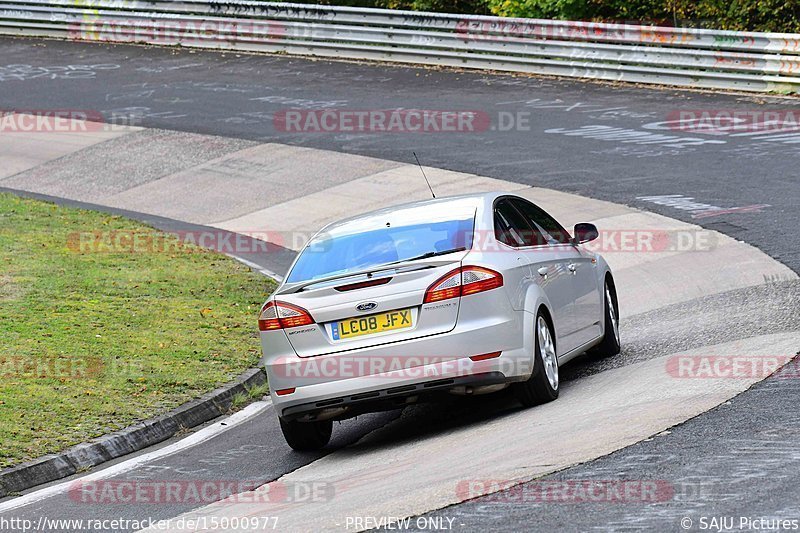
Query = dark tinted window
x=512 y=229
x=553 y=231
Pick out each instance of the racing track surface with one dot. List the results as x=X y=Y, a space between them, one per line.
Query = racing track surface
x=207 y=92
x=236 y=97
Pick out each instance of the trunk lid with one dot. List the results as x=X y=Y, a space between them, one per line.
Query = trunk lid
x=370 y=309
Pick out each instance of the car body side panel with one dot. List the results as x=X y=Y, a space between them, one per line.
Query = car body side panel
x=588 y=309
x=601 y=271
x=558 y=285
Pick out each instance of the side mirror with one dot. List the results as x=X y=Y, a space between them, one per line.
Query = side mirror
x=585 y=232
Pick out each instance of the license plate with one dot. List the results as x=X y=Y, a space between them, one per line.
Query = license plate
x=367 y=325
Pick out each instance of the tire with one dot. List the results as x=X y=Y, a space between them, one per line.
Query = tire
x=542 y=386
x=306 y=436
x=610 y=344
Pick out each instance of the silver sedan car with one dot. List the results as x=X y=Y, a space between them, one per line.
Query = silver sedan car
x=460 y=295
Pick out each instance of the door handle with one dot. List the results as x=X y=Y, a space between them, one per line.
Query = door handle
x=543 y=271
x=572 y=267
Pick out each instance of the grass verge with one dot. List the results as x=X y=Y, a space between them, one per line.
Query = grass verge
x=91 y=342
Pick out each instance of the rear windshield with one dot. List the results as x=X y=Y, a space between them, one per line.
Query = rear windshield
x=378 y=240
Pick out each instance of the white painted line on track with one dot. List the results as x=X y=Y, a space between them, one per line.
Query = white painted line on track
x=207 y=433
x=255 y=266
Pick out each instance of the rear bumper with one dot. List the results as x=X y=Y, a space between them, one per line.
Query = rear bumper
x=386 y=399
x=390 y=390
x=370 y=375
x=388 y=376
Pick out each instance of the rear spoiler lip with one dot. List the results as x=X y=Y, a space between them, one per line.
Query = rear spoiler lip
x=394 y=268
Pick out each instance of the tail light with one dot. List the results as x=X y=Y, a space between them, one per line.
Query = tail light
x=485 y=356
x=280 y=315
x=462 y=282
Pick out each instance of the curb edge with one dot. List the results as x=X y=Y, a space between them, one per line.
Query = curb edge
x=131 y=439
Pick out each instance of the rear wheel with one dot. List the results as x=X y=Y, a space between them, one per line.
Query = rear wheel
x=306 y=436
x=610 y=344
x=542 y=386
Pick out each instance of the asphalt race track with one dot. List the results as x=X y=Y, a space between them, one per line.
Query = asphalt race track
x=221 y=94
x=738 y=459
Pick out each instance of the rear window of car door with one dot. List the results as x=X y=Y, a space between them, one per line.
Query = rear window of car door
x=511 y=228
x=554 y=233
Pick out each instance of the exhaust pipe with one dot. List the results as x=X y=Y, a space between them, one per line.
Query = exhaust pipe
x=324 y=414
x=465 y=390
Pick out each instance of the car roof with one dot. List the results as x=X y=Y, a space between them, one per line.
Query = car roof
x=481 y=199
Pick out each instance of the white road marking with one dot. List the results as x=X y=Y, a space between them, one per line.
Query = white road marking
x=194 y=439
x=257 y=267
